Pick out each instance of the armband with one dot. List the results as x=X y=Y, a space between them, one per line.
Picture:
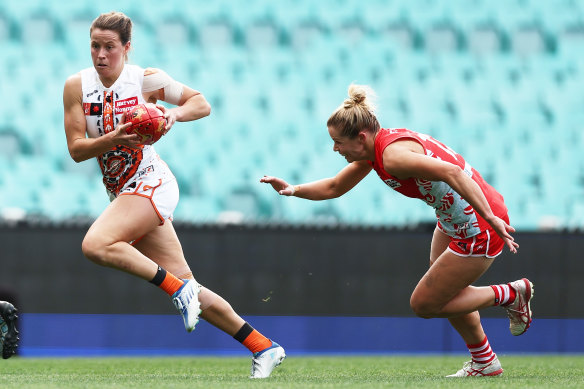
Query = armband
x=156 y=79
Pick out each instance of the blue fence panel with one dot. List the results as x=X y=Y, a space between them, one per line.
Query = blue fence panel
x=104 y=335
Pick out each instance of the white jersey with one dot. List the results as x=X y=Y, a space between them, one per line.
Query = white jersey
x=103 y=110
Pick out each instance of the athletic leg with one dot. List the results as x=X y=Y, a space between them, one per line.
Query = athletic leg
x=107 y=242
x=445 y=291
x=468 y=326
x=163 y=246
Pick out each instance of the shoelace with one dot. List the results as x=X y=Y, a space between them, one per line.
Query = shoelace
x=186 y=294
x=255 y=365
x=471 y=371
x=521 y=311
x=179 y=300
x=178 y=303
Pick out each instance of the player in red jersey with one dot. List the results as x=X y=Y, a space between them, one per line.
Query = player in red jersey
x=472 y=227
x=135 y=232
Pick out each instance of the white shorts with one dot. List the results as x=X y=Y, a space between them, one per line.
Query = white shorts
x=157 y=183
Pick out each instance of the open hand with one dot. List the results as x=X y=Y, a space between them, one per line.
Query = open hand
x=504 y=231
x=279 y=185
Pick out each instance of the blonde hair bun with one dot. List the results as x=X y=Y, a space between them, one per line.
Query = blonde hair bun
x=360 y=95
x=356 y=113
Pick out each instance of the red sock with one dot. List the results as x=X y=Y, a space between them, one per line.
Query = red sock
x=504 y=294
x=481 y=352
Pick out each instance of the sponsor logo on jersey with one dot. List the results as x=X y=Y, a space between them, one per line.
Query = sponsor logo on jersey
x=122 y=106
x=146 y=170
x=393 y=184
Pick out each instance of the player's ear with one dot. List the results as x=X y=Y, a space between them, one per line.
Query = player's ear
x=127 y=48
x=362 y=136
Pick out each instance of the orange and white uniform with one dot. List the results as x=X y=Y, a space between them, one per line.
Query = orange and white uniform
x=470 y=234
x=126 y=171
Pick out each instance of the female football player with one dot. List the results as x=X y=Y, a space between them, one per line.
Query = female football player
x=472 y=226
x=135 y=232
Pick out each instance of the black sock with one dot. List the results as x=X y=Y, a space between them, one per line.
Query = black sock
x=243 y=332
x=159 y=277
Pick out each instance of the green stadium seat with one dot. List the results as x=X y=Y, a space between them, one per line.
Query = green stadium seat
x=475 y=74
x=197 y=209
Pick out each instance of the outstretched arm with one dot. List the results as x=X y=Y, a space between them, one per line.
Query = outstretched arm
x=402 y=161
x=327 y=188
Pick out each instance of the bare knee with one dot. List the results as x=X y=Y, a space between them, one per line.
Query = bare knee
x=94 y=249
x=423 y=307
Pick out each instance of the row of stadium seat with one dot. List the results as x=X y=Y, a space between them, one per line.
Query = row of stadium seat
x=523 y=26
x=327 y=12
x=516 y=119
x=217 y=171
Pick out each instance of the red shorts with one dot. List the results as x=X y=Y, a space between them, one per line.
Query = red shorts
x=486 y=244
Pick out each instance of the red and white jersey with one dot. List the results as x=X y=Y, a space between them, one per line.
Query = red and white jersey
x=103 y=110
x=456 y=217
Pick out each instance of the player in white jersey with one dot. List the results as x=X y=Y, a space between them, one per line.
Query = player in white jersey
x=135 y=232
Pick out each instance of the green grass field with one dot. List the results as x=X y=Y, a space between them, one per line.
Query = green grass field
x=296 y=372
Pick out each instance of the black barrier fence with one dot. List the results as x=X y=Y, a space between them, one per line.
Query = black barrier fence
x=278 y=270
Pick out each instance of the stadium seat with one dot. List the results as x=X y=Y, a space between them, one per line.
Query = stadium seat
x=475 y=74
x=197 y=209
